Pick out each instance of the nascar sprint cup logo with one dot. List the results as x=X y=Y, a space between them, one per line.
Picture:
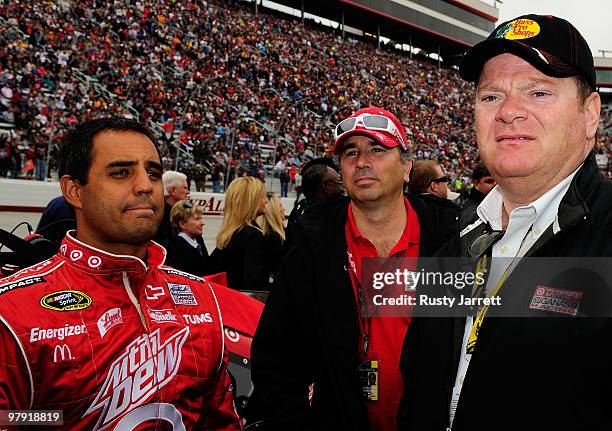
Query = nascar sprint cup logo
x=145 y=367
x=66 y=300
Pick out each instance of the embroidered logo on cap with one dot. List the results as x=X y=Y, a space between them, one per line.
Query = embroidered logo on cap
x=518 y=29
x=556 y=300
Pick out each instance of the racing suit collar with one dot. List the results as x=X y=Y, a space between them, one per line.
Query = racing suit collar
x=91 y=259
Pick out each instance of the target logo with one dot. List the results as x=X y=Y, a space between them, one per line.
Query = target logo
x=232 y=335
x=94 y=262
x=76 y=255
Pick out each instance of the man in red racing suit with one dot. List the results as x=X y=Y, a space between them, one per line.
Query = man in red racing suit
x=114 y=343
x=115 y=340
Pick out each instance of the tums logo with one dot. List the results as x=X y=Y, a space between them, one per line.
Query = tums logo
x=146 y=366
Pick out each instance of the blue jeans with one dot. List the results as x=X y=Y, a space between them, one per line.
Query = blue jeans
x=41 y=169
x=284 y=189
x=216 y=186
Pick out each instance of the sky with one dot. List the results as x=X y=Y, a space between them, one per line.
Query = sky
x=592 y=18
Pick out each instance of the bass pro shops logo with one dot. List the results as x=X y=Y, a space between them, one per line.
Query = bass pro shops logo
x=146 y=366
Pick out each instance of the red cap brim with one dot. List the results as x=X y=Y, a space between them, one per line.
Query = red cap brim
x=383 y=138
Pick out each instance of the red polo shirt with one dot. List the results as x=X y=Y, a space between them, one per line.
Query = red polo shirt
x=386 y=333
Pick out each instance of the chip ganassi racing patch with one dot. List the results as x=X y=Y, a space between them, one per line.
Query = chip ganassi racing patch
x=145 y=367
x=20 y=283
x=182 y=294
x=66 y=300
x=556 y=300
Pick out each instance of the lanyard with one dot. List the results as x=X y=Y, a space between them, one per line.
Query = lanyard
x=365 y=322
x=482 y=311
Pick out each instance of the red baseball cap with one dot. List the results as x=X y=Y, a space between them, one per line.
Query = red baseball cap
x=385 y=138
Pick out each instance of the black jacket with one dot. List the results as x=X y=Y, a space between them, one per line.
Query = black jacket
x=164 y=232
x=443 y=214
x=473 y=198
x=309 y=330
x=544 y=371
x=244 y=260
x=183 y=256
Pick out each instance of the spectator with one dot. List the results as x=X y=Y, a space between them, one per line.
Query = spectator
x=241 y=245
x=482 y=184
x=5 y=156
x=175 y=189
x=272 y=224
x=320 y=181
x=199 y=176
x=428 y=183
x=537 y=116
x=57 y=218
x=243 y=61
x=187 y=250
x=41 y=163
x=313 y=309
x=215 y=177
x=427 y=177
x=284 y=182
x=30 y=163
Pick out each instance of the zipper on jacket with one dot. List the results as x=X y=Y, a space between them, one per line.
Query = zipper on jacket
x=128 y=289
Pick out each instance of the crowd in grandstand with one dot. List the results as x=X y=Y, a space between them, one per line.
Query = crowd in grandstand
x=218 y=81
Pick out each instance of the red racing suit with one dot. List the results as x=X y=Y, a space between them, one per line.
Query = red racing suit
x=115 y=343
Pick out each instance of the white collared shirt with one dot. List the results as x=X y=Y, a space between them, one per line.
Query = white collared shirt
x=525 y=225
x=192 y=242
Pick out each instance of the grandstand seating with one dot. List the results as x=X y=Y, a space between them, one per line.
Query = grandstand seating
x=218 y=81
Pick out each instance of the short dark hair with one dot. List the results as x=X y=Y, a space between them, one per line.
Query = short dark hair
x=320 y=161
x=422 y=175
x=480 y=171
x=312 y=179
x=76 y=151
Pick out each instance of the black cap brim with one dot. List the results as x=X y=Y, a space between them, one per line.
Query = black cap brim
x=474 y=60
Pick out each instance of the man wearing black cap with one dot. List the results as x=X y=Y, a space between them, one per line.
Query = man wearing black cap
x=314 y=351
x=534 y=364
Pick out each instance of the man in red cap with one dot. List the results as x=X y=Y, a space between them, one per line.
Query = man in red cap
x=320 y=360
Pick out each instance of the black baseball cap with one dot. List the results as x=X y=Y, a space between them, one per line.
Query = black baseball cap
x=550 y=44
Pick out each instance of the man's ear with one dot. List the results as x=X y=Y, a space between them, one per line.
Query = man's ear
x=433 y=188
x=72 y=191
x=407 y=169
x=592 y=110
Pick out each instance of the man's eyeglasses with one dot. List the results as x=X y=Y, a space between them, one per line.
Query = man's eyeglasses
x=444 y=179
x=370 y=122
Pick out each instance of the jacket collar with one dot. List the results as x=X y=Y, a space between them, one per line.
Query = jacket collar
x=93 y=260
x=585 y=187
x=575 y=206
x=324 y=223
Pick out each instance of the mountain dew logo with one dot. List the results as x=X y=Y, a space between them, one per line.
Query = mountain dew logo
x=518 y=29
x=145 y=366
